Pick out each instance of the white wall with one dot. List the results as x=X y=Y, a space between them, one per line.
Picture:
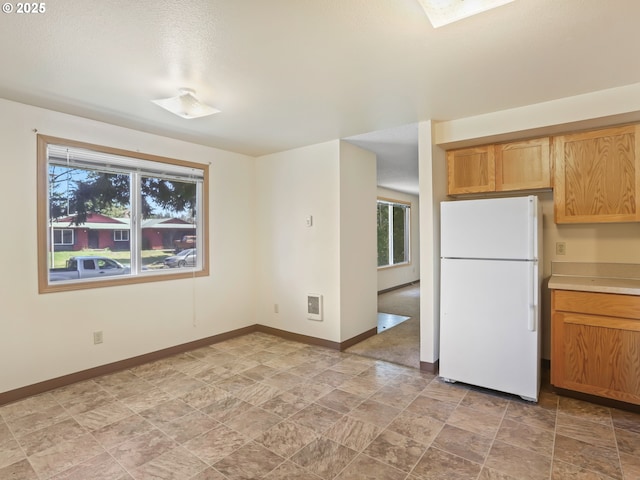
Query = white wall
x=393 y=276
x=335 y=184
x=43 y=336
x=293 y=259
x=433 y=185
x=358 y=241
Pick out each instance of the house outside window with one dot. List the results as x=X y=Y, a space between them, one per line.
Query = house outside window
x=394 y=232
x=116 y=207
x=121 y=235
x=62 y=236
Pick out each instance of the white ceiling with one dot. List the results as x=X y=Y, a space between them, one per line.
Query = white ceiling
x=288 y=73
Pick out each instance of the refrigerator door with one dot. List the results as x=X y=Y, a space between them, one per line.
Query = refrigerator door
x=489 y=329
x=501 y=228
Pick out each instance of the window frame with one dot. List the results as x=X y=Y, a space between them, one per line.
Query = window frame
x=120 y=233
x=407 y=232
x=62 y=230
x=44 y=286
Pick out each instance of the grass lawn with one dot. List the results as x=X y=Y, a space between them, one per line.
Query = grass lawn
x=150 y=258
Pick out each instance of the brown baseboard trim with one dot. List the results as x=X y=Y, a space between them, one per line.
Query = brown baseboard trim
x=297 y=337
x=607 y=402
x=430 y=367
x=397 y=287
x=358 y=338
x=41 y=387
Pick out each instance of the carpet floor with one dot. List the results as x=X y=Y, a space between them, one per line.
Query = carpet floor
x=400 y=344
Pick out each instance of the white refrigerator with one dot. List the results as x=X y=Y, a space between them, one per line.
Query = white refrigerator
x=490 y=294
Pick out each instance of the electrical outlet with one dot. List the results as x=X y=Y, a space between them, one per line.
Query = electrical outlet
x=97 y=337
x=561 y=248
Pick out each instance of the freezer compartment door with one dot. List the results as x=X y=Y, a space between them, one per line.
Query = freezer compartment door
x=489 y=325
x=504 y=228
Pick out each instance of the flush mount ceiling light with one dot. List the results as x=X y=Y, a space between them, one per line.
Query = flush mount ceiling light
x=443 y=12
x=186 y=105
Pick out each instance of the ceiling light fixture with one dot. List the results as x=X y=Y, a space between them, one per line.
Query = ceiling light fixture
x=443 y=12
x=186 y=105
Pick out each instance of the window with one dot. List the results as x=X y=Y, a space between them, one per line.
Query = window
x=121 y=235
x=393 y=232
x=62 y=236
x=116 y=213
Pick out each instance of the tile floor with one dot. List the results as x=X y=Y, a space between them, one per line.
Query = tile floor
x=261 y=407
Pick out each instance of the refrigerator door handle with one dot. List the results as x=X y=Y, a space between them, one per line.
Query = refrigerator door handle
x=533 y=301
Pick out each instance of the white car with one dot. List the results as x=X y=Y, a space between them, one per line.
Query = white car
x=186 y=258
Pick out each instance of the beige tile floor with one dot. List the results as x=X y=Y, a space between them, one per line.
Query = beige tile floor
x=261 y=407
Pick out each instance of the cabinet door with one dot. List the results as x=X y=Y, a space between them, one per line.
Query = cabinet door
x=471 y=170
x=595 y=344
x=596 y=355
x=597 y=176
x=523 y=165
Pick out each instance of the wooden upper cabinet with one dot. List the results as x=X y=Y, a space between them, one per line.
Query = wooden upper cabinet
x=597 y=176
x=471 y=170
x=524 y=165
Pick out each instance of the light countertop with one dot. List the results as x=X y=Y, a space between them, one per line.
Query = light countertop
x=621 y=278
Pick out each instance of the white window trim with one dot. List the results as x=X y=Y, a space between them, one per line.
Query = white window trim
x=120 y=233
x=62 y=230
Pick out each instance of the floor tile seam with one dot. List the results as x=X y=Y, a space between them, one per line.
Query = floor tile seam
x=446 y=453
x=425 y=445
x=493 y=441
x=429 y=446
x=133 y=437
x=406 y=474
x=71 y=417
x=586 y=419
x=24 y=452
x=553 y=459
x=615 y=438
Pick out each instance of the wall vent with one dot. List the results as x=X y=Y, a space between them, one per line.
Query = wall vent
x=314 y=306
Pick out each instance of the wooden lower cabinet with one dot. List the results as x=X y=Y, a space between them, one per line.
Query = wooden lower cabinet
x=595 y=344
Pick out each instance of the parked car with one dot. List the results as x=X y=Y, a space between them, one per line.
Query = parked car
x=186 y=258
x=88 y=267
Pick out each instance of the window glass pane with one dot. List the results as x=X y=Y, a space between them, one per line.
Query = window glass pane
x=86 y=206
x=169 y=224
x=105 y=212
x=393 y=233
x=383 y=234
x=399 y=234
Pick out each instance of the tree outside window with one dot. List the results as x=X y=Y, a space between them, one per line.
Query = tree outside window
x=393 y=232
x=119 y=206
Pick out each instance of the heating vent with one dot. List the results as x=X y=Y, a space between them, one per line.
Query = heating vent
x=314 y=306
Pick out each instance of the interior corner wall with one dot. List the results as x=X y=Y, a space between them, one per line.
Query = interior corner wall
x=433 y=181
x=292 y=258
x=403 y=274
x=44 y=336
x=358 y=241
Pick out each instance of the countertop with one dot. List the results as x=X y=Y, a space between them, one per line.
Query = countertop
x=621 y=278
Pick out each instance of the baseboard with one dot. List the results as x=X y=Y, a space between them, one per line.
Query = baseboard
x=358 y=338
x=45 y=386
x=430 y=367
x=41 y=387
x=297 y=337
x=606 y=402
x=398 y=287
